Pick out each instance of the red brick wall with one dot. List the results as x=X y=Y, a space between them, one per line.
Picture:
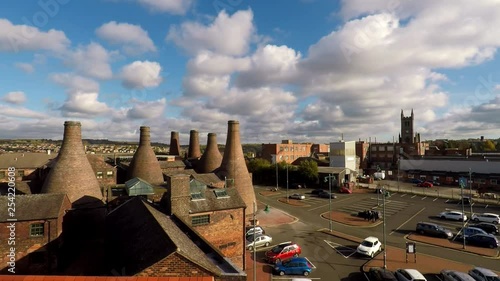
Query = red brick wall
x=174 y=265
x=225 y=232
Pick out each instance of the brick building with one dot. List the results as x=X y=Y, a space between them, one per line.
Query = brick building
x=217 y=214
x=105 y=172
x=39 y=224
x=142 y=241
x=286 y=151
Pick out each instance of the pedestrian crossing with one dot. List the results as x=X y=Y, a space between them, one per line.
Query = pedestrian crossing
x=391 y=206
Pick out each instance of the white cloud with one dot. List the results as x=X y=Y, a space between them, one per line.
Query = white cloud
x=176 y=7
x=20 y=112
x=210 y=63
x=227 y=35
x=75 y=83
x=141 y=74
x=18 y=38
x=25 y=67
x=134 y=39
x=147 y=109
x=205 y=85
x=83 y=105
x=17 y=97
x=91 y=60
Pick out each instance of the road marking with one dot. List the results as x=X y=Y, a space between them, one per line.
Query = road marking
x=407 y=221
x=342 y=249
x=404 y=195
x=313 y=266
x=435 y=199
x=423 y=198
x=414 y=196
x=322 y=206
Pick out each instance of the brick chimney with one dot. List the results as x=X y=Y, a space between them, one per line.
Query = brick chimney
x=194 y=145
x=144 y=164
x=211 y=158
x=71 y=172
x=233 y=167
x=175 y=148
x=178 y=197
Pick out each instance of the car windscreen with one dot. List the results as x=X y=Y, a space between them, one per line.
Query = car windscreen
x=367 y=243
x=277 y=249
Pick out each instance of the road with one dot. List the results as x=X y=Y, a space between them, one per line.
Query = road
x=332 y=256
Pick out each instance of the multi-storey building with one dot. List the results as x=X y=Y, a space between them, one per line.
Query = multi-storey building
x=286 y=151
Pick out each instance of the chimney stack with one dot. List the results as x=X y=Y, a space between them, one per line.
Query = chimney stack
x=144 y=164
x=175 y=148
x=194 y=145
x=211 y=158
x=233 y=167
x=71 y=172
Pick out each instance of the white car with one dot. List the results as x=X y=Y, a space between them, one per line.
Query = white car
x=260 y=240
x=483 y=274
x=453 y=215
x=369 y=247
x=486 y=217
x=258 y=230
x=297 y=196
x=409 y=275
x=453 y=275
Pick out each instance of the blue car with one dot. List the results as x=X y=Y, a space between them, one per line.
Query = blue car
x=417 y=181
x=295 y=266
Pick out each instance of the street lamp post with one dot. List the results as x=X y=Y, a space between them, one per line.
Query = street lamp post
x=329 y=179
x=399 y=159
x=470 y=191
x=254 y=251
x=287 y=182
x=462 y=186
x=383 y=218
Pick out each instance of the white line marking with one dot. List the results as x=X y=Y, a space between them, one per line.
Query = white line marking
x=310 y=262
x=414 y=196
x=322 y=206
x=407 y=221
x=423 y=198
x=404 y=195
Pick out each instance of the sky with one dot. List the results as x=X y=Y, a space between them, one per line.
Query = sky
x=305 y=70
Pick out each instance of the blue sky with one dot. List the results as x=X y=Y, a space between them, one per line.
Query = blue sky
x=305 y=70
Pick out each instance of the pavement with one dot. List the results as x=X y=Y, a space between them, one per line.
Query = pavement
x=395 y=257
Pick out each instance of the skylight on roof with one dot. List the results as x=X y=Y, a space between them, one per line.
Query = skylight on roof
x=221 y=193
x=197 y=196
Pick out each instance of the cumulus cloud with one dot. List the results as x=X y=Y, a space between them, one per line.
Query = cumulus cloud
x=147 y=109
x=91 y=60
x=18 y=38
x=75 y=83
x=141 y=74
x=17 y=97
x=25 y=67
x=175 y=7
x=210 y=63
x=133 y=38
x=227 y=35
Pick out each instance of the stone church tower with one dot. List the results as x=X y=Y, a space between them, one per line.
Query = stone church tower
x=407 y=133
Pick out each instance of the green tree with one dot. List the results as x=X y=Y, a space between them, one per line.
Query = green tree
x=488 y=145
x=256 y=164
x=308 y=170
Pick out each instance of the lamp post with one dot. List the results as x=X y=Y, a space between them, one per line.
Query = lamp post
x=286 y=181
x=399 y=159
x=470 y=191
x=383 y=218
x=329 y=179
x=463 y=183
x=254 y=251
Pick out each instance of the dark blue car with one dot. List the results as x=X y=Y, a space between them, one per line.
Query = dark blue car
x=416 y=181
x=295 y=266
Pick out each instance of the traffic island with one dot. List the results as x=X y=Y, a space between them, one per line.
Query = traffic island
x=349 y=219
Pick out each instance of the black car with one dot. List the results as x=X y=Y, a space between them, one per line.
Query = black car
x=432 y=229
x=380 y=274
x=488 y=227
x=326 y=194
x=482 y=240
x=317 y=191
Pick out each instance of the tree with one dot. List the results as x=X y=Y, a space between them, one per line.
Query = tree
x=488 y=145
x=308 y=171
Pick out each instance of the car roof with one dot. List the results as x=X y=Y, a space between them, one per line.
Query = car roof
x=371 y=239
x=296 y=259
x=490 y=214
x=413 y=273
x=485 y=271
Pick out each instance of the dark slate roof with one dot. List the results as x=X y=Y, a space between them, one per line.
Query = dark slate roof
x=213 y=203
x=210 y=179
x=25 y=160
x=171 y=164
x=139 y=236
x=34 y=206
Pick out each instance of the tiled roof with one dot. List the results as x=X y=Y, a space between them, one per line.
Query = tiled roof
x=210 y=179
x=213 y=203
x=99 y=278
x=34 y=206
x=140 y=236
x=171 y=164
x=24 y=160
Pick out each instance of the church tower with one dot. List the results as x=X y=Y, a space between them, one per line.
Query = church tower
x=407 y=132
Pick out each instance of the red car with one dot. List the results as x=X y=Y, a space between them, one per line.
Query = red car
x=344 y=189
x=283 y=252
x=425 y=184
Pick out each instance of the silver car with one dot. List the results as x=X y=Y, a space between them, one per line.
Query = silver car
x=483 y=274
x=453 y=215
x=260 y=240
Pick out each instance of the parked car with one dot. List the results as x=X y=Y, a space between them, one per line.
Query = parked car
x=283 y=251
x=344 y=189
x=369 y=247
x=486 y=217
x=326 y=194
x=436 y=183
x=297 y=196
x=483 y=274
x=297 y=266
x=488 y=227
x=260 y=240
x=317 y=191
x=257 y=229
x=453 y=275
x=482 y=240
x=296 y=186
x=453 y=215
x=466 y=200
x=416 y=181
x=432 y=229
x=468 y=231
x=381 y=274
x=425 y=184
x=409 y=275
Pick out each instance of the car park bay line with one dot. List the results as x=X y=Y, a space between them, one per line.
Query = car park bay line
x=335 y=246
x=325 y=205
x=405 y=222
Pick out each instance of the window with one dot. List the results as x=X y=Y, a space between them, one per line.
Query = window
x=36 y=229
x=21 y=173
x=109 y=174
x=200 y=220
x=99 y=175
x=491 y=181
